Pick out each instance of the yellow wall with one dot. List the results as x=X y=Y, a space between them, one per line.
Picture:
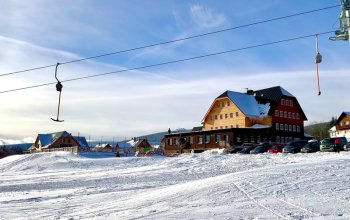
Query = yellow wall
x=226 y=112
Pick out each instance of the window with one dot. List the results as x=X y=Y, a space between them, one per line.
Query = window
x=170 y=141
x=220 y=116
x=237 y=126
x=228 y=103
x=277 y=126
x=285 y=115
x=231 y=126
x=294 y=128
x=286 y=127
x=226 y=138
x=298 y=128
x=258 y=138
x=278 y=139
x=297 y=116
x=281 y=114
x=290 y=128
x=282 y=139
x=291 y=103
x=200 y=140
x=211 y=128
x=216 y=117
x=218 y=138
x=281 y=127
x=177 y=142
x=287 y=102
x=223 y=104
x=218 y=105
x=347 y=123
x=216 y=127
x=236 y=114
x=221 y=127
x=277 y=113
x=289 y=115
x=226 y=126
x=282 y=101
x=231 y=115
x=226 y=115
x=293 y=115
x=191 y=140
x=252 y=138
x=207 y=139
x=238 y=138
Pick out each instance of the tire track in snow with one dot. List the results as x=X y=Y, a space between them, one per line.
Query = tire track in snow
x=257 y=202
x=283 y=201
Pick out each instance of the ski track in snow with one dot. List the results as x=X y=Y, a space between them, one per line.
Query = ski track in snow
x=210 y=185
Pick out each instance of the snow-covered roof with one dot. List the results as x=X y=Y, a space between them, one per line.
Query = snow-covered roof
x=47 y=139
x=82 y=141
x=258 y=126
x=248 y=104
x=124 y=145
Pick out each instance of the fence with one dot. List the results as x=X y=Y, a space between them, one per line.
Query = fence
x=74 y=149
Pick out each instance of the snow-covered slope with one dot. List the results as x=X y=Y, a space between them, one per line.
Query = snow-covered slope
x=204 y=186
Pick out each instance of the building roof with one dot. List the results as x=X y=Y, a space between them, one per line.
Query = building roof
x=342 y=115
x=123 y=145
x=81 y=141
x=47 y=139
x=273 y=94
x=138 y=143
x=247 y=103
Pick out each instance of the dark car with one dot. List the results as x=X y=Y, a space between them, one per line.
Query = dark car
x=294 y=146
x=311 y=147
x=261 y=148
x=236 y=149
x=247 y=148
x=277 y=148
x=328 y=145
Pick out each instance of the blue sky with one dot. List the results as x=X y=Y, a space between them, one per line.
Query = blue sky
x=36 y=32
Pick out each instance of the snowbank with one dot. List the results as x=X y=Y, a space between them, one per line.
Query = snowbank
x=208 y=185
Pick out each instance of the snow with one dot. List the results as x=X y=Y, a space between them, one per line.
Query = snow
x=210 y=185
x=248 y=104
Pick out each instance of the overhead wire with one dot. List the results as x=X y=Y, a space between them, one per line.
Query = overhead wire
x=173 y=41
x=170 y=62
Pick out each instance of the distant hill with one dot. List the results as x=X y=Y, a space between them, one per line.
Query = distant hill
x=318 y=130
x=156 y=138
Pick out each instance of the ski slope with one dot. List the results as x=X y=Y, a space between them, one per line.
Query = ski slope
x=210 y=185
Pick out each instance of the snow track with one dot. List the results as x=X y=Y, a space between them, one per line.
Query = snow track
x=206 y=186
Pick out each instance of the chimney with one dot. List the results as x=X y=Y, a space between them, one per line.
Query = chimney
x=250 y=92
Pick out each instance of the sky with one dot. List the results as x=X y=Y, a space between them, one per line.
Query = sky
x=126 y=104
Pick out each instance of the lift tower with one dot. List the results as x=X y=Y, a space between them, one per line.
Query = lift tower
x=344 y=21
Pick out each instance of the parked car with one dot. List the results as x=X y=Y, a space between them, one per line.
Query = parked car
x=311 y=147
x=347 y=147
x=277 y=148
x=236 y=149
x=247 y=148
x=261 y=148
x=327 y=144
x=294 y=146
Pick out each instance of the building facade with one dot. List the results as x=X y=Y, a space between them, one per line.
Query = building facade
x=267 y=115
x=342 y=126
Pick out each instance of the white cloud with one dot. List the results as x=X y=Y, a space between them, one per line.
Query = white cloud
x=204 y=17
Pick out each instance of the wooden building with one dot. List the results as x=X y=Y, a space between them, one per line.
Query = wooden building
x=342 y=126
x=59 y=141
x=267 y=115
x=141 y=146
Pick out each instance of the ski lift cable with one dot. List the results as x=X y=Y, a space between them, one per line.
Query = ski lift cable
x=170 y=62
x=173 y=41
